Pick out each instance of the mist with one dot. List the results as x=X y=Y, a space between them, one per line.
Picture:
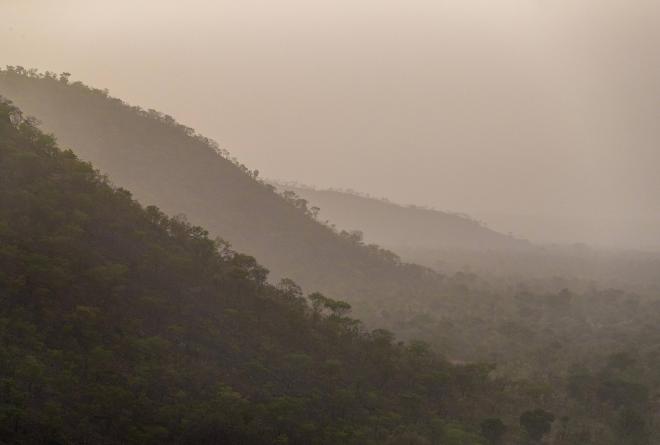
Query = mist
x=329 y=222
x=539 y=118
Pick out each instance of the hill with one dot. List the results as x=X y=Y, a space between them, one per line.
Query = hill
x=119 y=324
x=169 y=165
x=395 y=226
x=450 y=243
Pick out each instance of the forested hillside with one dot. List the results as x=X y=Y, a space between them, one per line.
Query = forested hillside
x=169 y=165
x=119 y=324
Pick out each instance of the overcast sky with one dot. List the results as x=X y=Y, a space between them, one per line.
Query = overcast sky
x=540 y=117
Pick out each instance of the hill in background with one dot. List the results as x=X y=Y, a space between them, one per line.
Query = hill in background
x=452 y=243
x=388 y=224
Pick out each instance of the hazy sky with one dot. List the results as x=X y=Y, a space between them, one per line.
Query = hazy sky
x=541 y=117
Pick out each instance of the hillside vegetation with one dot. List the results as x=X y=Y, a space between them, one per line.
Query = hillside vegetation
x=167 y=164
x=119 y=324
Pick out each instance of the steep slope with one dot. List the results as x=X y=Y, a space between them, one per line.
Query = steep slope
x=392 y=225
x=169 y=165
x=121 y=325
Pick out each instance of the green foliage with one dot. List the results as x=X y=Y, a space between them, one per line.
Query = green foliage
x=119 y=324
x=493 y=430
x=537 y=423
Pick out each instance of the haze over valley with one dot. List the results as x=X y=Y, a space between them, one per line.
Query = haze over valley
x=538 y=118
x=329 y=223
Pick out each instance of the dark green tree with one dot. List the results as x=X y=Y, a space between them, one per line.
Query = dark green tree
x=493 y=430
x=537 y=423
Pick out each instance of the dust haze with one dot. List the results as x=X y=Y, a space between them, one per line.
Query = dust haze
x=538 y=117
x=328 y=222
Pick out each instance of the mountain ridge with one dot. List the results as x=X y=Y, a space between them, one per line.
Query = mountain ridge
x=395 y=225
x=169 y=165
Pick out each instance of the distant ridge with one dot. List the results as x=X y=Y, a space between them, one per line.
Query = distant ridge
x=393 y=225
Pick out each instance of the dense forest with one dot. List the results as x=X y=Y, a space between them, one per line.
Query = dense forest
x=122 y=325
x=564 y=360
